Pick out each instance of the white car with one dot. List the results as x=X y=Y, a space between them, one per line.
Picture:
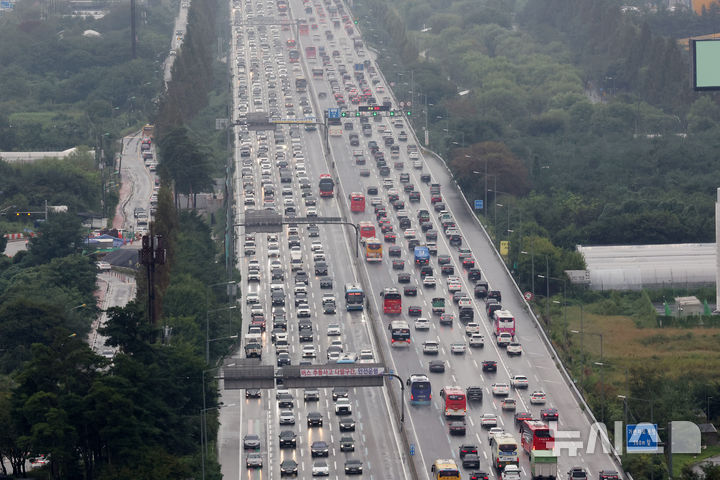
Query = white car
x=347 y=358
x=409 y=233
x=431 y=347
x=309 y=351
x=514 y=348
x=508 y=404
x=333 y=330
x=422 y=324
x=273 y=251
x=476 y=340
x=500 y=389
x=103 y=266
x=429 y=281
x=320 y=469
x=519 y=381
x=504 y=339
x=316 y=246
x=472 y=328
x=493 y=432
x=488 y=420
x=319 y=257
x=417 y=163
x=457 y=347
x=252 y=298
x=511 y=472
x=343 y=406
x=303 y=312
x=287 y=417
x=366 y=356
x=537 y=397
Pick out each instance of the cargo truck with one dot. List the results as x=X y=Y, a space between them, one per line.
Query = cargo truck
x=543 y=465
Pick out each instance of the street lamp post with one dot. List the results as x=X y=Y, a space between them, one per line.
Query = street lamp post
x=547 y=278
x=600 y=364
x=209 y=287
x=207 y=330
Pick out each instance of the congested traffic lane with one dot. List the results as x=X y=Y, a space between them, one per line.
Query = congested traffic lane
x=260 y=416
x=536 y=362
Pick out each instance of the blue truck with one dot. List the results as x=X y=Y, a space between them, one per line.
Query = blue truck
x=422 y=255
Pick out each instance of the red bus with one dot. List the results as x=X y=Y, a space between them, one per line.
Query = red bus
x=504 y=322
x=455 y=401
x=357 y=202
x=536 y=435
x=310 y=53
x=392 y=301
x=367 y=230
x=327 y=185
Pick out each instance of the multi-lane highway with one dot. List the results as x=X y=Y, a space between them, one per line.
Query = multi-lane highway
x=266 y=80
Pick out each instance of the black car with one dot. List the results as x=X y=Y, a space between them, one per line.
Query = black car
x=520 y=417
x=395 y=251
x=410 y=291
x=353 y=467
x=414 y=311
x=288 y=439
x=254 y=460
x=489 y=366
x=347 y=424
x=448 y=269
x=283 y=359
x=314 y=419
x=496 y=295
x=403 y=278
x=437 y=366
x=347 y=444
x=474 y=393
x=398 y=264
x=253 y=393
x=577 y=473
x=319 y=449
x=425 y=178
x=301 y=277
x=479 y=476
x=457 y=427
x=288 y=467
x=326 y=282
x=474 y=274
x=285 y=400
x=471 y=460
x=306 y=335
x=481 y=290
x=467 y=448
x=549 y=414
x=313 y=230
x=251 y=442
x=339 y=392
x=372 y=190
x=321 y=268
x=444 y=259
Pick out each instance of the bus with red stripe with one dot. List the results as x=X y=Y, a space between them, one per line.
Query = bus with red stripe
x=536 y=435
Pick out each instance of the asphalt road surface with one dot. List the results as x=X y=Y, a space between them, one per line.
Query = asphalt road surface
x=261 y=58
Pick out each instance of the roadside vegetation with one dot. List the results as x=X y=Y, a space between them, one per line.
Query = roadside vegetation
x=136 y=415
x=578 y=119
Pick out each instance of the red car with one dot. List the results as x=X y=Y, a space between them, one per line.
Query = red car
x=390 y=237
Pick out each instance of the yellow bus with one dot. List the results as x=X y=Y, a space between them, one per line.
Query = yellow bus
x=445 y=469
x=373 y=250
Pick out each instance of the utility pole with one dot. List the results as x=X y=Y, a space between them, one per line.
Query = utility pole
x=133 y=34
x=152 y=253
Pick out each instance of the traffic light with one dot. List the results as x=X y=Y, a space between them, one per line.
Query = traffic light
x=374 y=114
x=343 y=114
x=409 y=113
x=355 y=21
x=392 y=113
x=357 y=114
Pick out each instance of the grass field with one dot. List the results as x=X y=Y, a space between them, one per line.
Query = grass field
x=676 y=350
x=679 y=461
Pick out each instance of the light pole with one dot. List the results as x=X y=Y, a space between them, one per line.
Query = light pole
x=547 y=286
x=209 y=288
x=532 y=262
x=207 y=330
x=602 y=390
x=203 y=432
x=600 y=364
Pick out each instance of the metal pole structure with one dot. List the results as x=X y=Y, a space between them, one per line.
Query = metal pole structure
x=532 y=259
x=202 y=443
x=547 y=289
x=485 y=208
x=402 y=397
